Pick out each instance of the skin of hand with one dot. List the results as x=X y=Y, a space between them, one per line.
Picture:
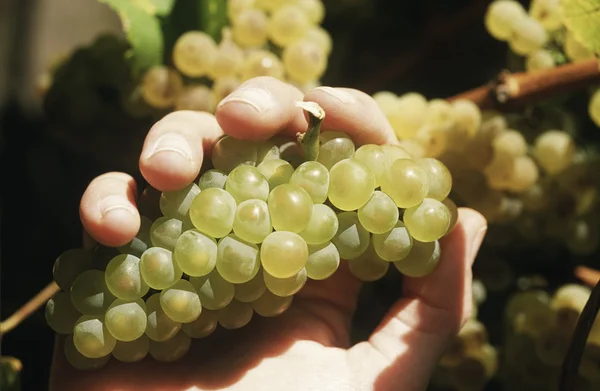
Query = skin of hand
x=306 y=348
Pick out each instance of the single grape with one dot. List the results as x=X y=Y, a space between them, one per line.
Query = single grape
x=237 y=260
x=181 y=302
x=228 y=153
x=283 y=254
x=568 y=303
x=229 y=58
x=276 y=171
x=79 y=361
x=251 y=290
x=501 y=17
x=172 y=349
x=440 y=178
x=236 y=315
x=351 y=185
x=252 y=221
x=159 y=327
x=61 y=315
x=374 y=157
x=262 y=63
x=368 y=266
x=195 y=253
x=270 y=305
x=69 y=265
x=314 y=178
x=285 y=286
x=176 y=204
x=548 y=13
x=409 y=115
x=203 y=326
x=322 y=227
x=393 y=245
x=379 y=214
x=160 y=87
x=539 y=60
x=91 y=337
x=335 y=147
x=554 y=151
x=435 y=139
x=467 y=115
x=212 y=179
x=387 y=102
x=126 y=320
x=196 y=98
x=142 y=240
x=527 y=36
x=314 y=9
x=214 y=291
x=320 y=37
x=290 y=208
x=304 y=60
x=250 y=28
x=351 y=239
x=422 y=259
x=288 y=24
x=132 y=351
x=524 y=175
x=213 y=211
x=235 y=7
x=90 y=294
x=194 y=53
x=268 y=150
x=428 y=221
x=123 y=277
x=158 y=269
x=165 y=231
x=323 y=261
x=247 y=182
x=406 y=182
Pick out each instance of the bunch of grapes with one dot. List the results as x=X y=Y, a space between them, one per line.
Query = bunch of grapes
x=281 y=39
x=262 y=219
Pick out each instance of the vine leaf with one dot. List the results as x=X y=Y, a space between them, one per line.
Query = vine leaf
x=143 y=31
x=582 y=18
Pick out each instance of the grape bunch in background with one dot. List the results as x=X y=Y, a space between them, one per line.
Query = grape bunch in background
x=281 y=39
x=261 y=220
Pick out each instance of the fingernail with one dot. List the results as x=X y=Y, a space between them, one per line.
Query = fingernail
x=172 y=142
x=115 y=204
x=340 y=95
x=259 y=99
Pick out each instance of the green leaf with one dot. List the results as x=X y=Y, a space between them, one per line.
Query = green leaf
x=213 y=17
x=582 y=18
x=10 y=371
x=156 y=7
x=143 y=32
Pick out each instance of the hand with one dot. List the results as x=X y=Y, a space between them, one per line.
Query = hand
x=306 y=348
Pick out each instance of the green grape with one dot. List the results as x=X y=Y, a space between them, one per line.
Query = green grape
x=285 y=286
x=262 y=63
x=476 y=368
x=214 y=291
x=393 y=153
x=158 y=269
x=172 y=349
x=568 y=303
x=61 y=315
x=288 y=24
x=250 y=290
x=159 y=327
x=247 y=182
x=283 y=254
x=79 y=361
x=374 y=157
x=319 y=36
x=540 y=60
x=267 y=150
x=250 y=28
x=126 y=320
x=236 y=315
x=528 y=35
x=195 y=253
x=369 y=266
x=176 y=204
x=181 y=302
x=124 y=279
x=270 y=305
x=440 y=179
x=323 y=261
x=422 y=259
x=428 y=221
x=276 y=171
x=132 y=351
x=554 y=151
x=237 y=260
x=91 y=337
x=453 y=209
x=141 y=242
x=467 y=116
x=335 y=147
x=523 y=302
x=322 y=227
x=194 y=53
x=234 y=7
x=212 y=178
x=90 y=294
x=351 y=185
x=196 y=98
x=165 y=231
x=213 y=211
x=408 y=115
x=304 y=60
x=203 y=326
x=290 y=207
x=229 y=59
x=160 y=86
x=379 y=214
x=228 y=153
x=393 y=245
x=69 y=265
x=314 y=178
x=501 y=16
x=351 y=239
x=406 y=182
x=252 y=221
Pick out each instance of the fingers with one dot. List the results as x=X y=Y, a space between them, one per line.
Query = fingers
x=353 y=112
x=108 y=209
x=414 y=334
x=174 y=148
x=261 y=108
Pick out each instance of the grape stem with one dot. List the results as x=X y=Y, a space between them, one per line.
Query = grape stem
x=309 y=140
x=514 y=90
x=30 y=307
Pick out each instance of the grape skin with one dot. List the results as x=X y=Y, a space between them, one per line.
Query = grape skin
x=351 y=184
x=283 y=254
x=194 y=53
x=214 y=291
x=126 y=320
x=428 y=221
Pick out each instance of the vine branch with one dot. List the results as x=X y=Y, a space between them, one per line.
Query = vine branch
x=30 y=307
x=511 y=90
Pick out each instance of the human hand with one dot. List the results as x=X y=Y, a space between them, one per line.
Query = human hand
x=308 y=347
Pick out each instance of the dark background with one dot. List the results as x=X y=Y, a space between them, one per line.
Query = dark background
x=436 y=47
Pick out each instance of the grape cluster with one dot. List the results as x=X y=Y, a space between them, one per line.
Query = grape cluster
x=281 y=39
x=260 y=221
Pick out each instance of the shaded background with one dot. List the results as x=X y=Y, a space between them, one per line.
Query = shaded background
x=436 y=47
